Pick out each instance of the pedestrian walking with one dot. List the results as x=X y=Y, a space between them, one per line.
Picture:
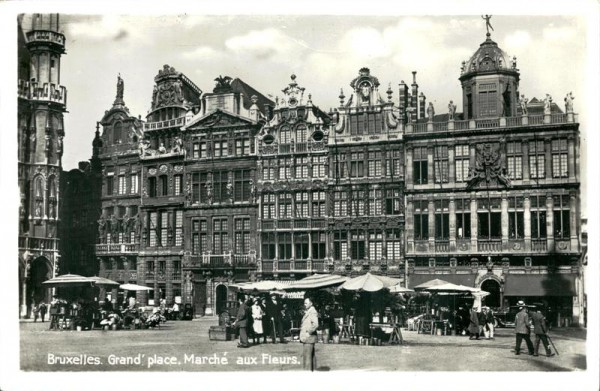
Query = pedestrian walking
x=274 y=313
x=540 y=329
x=241 y=322
x=43 y=309
x=474 y=324
x=257 y=324
x=36 y=312
x=489 y=323
x=308 y=335
x=522 y=329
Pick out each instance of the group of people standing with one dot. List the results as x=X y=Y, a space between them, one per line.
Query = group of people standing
x=481 y=324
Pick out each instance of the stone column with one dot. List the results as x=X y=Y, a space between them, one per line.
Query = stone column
x=431 y=223
x=430 y=168
x=550 y=222
x=527 y=222
x=548 y=150
x=473 y=223
x=526 y=161
x=452 y=224
x=409 y=168
x=571 y=158
x=409 y=225
x=573 y=213
x=451 y=165
x=504 y=221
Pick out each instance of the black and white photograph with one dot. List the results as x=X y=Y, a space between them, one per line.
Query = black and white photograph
x=358 y=190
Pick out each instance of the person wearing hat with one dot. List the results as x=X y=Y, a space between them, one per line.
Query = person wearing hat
x=522 y=321
x=489 y=323
x=241 y=322
x=274 y=310
x=474 y=324
x=308 y=335
x=257 y=324
x=540 y=329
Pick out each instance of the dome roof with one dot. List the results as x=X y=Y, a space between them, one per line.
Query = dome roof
x=489 y=58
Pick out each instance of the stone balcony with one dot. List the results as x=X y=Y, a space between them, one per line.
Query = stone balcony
x=289 y=148
x=489 y=123
x=42 y=92
x=169 y=123
x=299 y=224
x=38 y=244
x=207 y=260
x=294 y=266
x=45 y=36
x=490 y=246
x=116 y=249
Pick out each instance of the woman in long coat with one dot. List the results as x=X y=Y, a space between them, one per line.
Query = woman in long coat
x=257 y=315
x=474 y=324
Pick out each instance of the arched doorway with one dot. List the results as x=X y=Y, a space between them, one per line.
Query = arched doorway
x=221 y=299
x=38 y=273
x=492 y=286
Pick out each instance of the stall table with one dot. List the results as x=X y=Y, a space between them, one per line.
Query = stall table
x=395 y=334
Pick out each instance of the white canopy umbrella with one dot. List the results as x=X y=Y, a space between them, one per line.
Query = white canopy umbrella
x=400 y=289
x=135 y=287
x=369 y=282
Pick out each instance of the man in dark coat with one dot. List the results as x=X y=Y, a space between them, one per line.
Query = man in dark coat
x=522 y=329
x=241 y=322
x=540 y=329
x=274 y=315
x=474 y=324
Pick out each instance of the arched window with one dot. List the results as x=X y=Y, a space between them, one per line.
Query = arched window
x=52 y=187
x=39 y=187
x=301 y=133
x=285 y=136
x=118 y=130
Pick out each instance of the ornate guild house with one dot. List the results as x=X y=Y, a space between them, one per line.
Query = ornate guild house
x=216 y=188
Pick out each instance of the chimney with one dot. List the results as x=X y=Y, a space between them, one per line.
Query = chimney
x=415 y=92
x=403 y=100
x=422 y=99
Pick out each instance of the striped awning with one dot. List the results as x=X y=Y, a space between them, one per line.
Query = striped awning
x=262 y=286
x=317 y=281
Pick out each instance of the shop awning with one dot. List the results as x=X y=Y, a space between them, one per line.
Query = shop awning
x=317 y=281
x=459 y=279
x=262 y=286
x=540 y=285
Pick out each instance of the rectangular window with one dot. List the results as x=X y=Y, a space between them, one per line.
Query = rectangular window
x=178 y=228
x=241 y=185
x=440 y=164
x=514 y=160
x=301 y=245
x=516 y=224
x=489 y=221
x=301 y=204
x=220 y=148
x=220 y=180
x=122 y=185
x=285 y=205
x=110 y=184
x=357 y=203
x=163 y=185
x=461 y=162
x=393 y=202
x=357 y=164
x=421 y=214
x=301 y=167
x=442 y=220
x=242 y=235
x=150 y=266
x=152 y=186
x=393 y=244
x=374 y=161
x=559 y=158
x=357 y=244
x=375 y=245
x=268 y=206
x=340 y=203
x=242 y=147
x=199 y=236
x=463 y=218
x=538 y=217
x=178 y=182
x=340 y=245
x=488 y=104
x=341 y=168
x=318 y=166
x=164 y=227
x=196 y=150
x=318 y=204
x=199 y=187
x=268 y=245
x=285 y=168
x=318 y=245
x=394 y=164
x=133 y=179
x=153 y=227
x=220 y=236
x=269 y=169
x=375 y=202
x=537 y=160
x=285 y=245
x=420 y=165
x=562 y=228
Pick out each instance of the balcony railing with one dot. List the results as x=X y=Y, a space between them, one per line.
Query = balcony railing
x=294 y=265
x=539 y=245
x=442 y=246
x=46 y=36
x=123 y=248
x=219 y=260
x=169 y=123
x=489 y=245
x=31 y=243
x=47 y=92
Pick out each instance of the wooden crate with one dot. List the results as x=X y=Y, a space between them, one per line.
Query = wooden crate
x=219 y=333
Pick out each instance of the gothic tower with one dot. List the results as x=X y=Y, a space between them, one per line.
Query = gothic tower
x=42 y=102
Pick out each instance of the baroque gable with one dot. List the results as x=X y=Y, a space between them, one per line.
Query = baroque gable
x=218 y=119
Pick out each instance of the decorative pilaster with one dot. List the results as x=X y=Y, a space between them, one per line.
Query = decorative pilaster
x=527 y=221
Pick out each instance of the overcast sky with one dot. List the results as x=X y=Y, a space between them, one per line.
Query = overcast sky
x=325 y=52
